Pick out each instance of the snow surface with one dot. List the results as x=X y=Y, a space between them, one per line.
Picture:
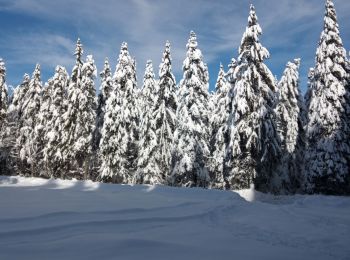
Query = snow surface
x=61 y=219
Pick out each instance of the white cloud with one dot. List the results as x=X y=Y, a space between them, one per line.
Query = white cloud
x=147 y=24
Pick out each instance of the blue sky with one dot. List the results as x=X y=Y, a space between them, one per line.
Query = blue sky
x=46 y=31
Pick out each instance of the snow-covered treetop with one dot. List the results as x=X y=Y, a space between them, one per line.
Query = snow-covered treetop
x=194 y=68
x=61 y=75
x=165 y=66
x=126 y=66
x=231 y=70
x=26 y=79
x=2 y=67
x=76 y=72
x=106 y=72
x=36 y=73
x=251 y=48
x=89 y=68
x=330 y=45
x=149 y=83
x=221 y=82
x=79 y=51
x=289 y=80
x=2 y=72
x=149 y=70
x=124 y=56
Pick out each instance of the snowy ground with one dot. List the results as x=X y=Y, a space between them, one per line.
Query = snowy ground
x=55 y=219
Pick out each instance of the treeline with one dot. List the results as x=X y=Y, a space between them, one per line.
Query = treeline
x=253 y=130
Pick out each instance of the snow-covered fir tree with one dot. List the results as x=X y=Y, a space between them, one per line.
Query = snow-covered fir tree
x=16 y=106
x=290 y=126
x=3 y=117
x=148 y=171
x=193 y=130
x=28 y=151
x=105 y=91
x=3 y=96
x=119 y=142
x=80 y=116
x=219 y=122
x=165 y=113
x=309 y=93
x=230 y=74
x=328 y=151
x=41 y=128
x=254 y=147
x=14 y=122
x=53 y=129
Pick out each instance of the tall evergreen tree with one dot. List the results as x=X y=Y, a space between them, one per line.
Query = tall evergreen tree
x=3 y=96
x=253 y=146
x=80 y=116
x=119 y=142
x=28 y=150
x=70 y=117
x=192 y=132
x=15 y=122
x=219 y=123
x=148 y=170
x=16 y=106
x=290 y=114
x=4 y=150
x=53 y=130
x=328 y=152
x=106 y=89
x=165 y=113
x=41 y=129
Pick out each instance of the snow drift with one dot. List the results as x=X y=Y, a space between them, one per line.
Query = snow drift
x=61 y=219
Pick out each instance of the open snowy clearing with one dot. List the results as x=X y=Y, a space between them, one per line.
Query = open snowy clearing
x=56 y=219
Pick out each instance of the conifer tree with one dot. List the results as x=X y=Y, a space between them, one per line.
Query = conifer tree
x=165 y=113
x=80 y=116
x=290 y=126
x=28 y=150
x=192 y=132
x=119 y=142
x=253 y=148
x=41 y=129
x=105 y=91
x=148 y=171
x=4 y=150
x=54 y=124
x=70 y=117
x=3 y=96
x=16 y=106
x=219 y=123
x=15 y=122
x=328 y=152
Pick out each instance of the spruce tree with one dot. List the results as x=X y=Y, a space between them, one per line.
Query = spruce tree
x=41 y=128
x=53 y=153
x=119 y=142
x=192 y=132
x=106 y=89
x=17 y=121
x=27 y=147
x=3 y=97
x=148 y=171
x=328 y=152
x=253 y=148
x=4 y=149
x=290 y=126
x=165 y=114
x=219 y=122
x=81 y=115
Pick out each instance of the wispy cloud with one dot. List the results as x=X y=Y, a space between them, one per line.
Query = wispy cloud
x=291 y=29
